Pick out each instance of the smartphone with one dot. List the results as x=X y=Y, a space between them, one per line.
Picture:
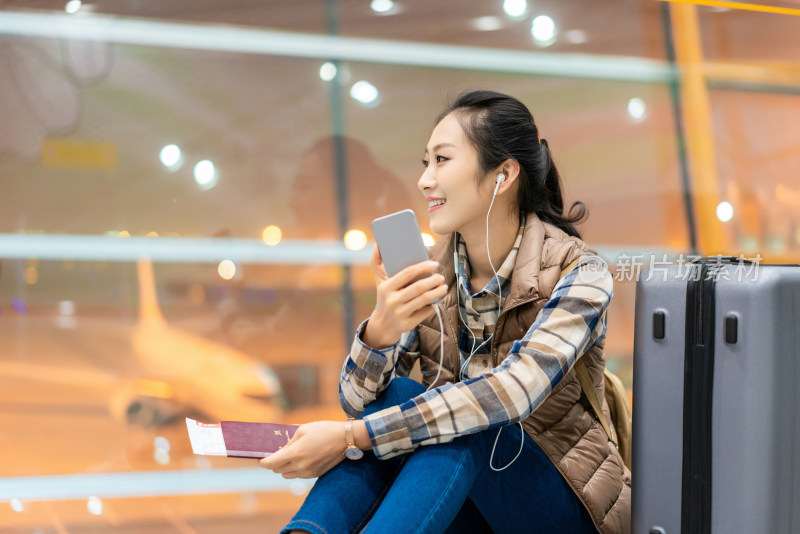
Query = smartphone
x=399 y=241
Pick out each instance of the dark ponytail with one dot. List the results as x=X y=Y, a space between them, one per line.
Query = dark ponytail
x=500 y=127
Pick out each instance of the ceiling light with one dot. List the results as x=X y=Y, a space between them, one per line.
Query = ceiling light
x=226 y=269
x=16 y=505
x=543 y=30
x=381 y=6
x=355 y=240
x=637 y=109
x=724 y=211
x=487 y=24
x=271 y=235
x=428 y=240
x=171 y=157
x=364 y=92
x=515 y=8
x=95 y=506
x=327 y=71
x=205 y=174
x=73 y=6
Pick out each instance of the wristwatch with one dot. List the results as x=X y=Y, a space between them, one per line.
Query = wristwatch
x=351 y=452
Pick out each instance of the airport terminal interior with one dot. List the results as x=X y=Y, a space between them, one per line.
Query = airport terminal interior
x=187 y=187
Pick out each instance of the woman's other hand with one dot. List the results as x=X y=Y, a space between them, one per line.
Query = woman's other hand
x=314 y=449
x=401 y=305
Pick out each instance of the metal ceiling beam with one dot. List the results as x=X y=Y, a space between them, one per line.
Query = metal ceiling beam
x=145 y=484
x=215 y=37
x=59 y=247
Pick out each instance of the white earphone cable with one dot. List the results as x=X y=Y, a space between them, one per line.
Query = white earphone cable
x=499 y=290
x=521 y=444
x=441 y=344
x=474 y=348
x=499 y=310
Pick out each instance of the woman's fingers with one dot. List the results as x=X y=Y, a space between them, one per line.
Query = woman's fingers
x=377 y=264
x=314 y=449
x=407 y=275
x=420 y=287
x=276 y=462
x=421 y=301
x=422 y=314
x=400 y=298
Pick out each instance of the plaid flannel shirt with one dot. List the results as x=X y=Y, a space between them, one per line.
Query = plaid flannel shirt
x=478 y=313
x=573 y=320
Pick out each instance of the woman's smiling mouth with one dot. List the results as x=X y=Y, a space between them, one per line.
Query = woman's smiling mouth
x=435 y=203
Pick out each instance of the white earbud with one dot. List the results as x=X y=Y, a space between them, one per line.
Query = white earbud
x=500 y=179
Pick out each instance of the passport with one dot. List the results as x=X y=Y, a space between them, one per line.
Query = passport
x=238 y=439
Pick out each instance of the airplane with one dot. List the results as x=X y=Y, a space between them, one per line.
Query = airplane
x=151 y=374
x=187 y=374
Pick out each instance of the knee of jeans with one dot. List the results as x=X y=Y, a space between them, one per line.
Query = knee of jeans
x=400 y=390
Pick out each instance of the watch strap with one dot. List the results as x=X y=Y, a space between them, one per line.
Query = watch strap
x=348 y=433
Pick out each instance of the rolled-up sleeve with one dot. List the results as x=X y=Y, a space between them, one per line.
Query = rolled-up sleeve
x=571 y=322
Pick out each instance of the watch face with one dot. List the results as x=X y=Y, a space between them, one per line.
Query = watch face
x=354 y=453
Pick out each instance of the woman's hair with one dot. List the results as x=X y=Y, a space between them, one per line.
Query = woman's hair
x=500 y=127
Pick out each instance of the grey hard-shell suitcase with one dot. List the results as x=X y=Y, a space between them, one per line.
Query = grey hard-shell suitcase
x=716 y=399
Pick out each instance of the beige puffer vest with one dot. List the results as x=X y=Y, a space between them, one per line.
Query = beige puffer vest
x=563 y=426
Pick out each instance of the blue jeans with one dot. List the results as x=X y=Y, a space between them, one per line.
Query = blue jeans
x=444 y=488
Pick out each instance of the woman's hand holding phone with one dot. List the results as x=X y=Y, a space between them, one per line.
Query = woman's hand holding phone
x=401 y=305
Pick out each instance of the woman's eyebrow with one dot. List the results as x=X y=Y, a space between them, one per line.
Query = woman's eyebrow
x=440 y=145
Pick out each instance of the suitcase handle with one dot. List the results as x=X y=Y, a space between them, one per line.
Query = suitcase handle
x=720 y=260
x=732 y=260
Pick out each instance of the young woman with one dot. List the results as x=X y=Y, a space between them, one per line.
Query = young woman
x=504 y=439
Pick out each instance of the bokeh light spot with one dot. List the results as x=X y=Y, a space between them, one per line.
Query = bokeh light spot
x=381 y=6
x=171 y=157
x=271 y=235
x=327 y=71
x=19 y=305
x=724 y=211
x=95 y=506
x=31 y=275
x=355 y=240
x=637 y=109
x=226 y=269
x=515 y=8
x=73 y=6
x=205 y=174
x=364 y=92
x=543 y=30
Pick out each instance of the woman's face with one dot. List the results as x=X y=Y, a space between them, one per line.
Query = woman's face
x=455 y=201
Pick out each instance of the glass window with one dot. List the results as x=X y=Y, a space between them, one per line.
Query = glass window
x=178 y=201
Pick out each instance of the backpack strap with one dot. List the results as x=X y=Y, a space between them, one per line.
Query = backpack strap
x=582 y=373
x=591 y=394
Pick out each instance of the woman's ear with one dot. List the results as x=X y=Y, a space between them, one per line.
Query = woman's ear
x=510 y=172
